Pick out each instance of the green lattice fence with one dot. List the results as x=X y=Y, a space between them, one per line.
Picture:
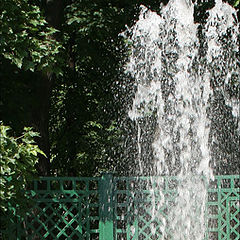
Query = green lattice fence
x=121 y=208
x=138 y=210
x=224 y=208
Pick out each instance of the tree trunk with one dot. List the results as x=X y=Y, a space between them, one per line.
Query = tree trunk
x=54 y=15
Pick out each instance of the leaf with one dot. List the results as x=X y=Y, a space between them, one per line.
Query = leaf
x=17 y=163
x=34 y=22
x=18 y=61
x=4 y=130
x=29 y=65
x=41 y=152
x=236 y=3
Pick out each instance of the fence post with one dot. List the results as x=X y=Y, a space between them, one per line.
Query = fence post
x=106 y=207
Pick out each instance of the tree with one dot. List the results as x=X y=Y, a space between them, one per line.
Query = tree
x=27 y=41
x=26 y=37
x=60 y=68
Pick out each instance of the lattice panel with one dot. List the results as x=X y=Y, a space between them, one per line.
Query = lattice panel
x=141 y=213
x=64 y=209
x=121 y=208
x=235 y=219
x=223 y=208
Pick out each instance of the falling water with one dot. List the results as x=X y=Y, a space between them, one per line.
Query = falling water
x=175 y=73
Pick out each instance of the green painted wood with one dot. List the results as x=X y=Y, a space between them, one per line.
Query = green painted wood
x=106 y=207
x=118 y=208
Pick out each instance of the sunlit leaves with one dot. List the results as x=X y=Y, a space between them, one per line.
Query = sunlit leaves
x=26 y=39
x=18 y=157
x=236 y=3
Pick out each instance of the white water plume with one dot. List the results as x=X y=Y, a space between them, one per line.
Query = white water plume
x=174 y=86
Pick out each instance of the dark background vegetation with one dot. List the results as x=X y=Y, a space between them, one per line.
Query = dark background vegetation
x=61 y=74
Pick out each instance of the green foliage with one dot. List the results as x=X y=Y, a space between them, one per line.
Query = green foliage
x=84 y=110
x=18 y=157
x=236 y=3
x=25 y=37
x=77 y=111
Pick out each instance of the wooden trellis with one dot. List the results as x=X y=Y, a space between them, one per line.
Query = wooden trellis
x=120 y=208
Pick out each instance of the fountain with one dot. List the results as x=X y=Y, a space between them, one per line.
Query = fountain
x=179 y=78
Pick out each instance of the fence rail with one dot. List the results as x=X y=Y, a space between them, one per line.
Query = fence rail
x=121 y=208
